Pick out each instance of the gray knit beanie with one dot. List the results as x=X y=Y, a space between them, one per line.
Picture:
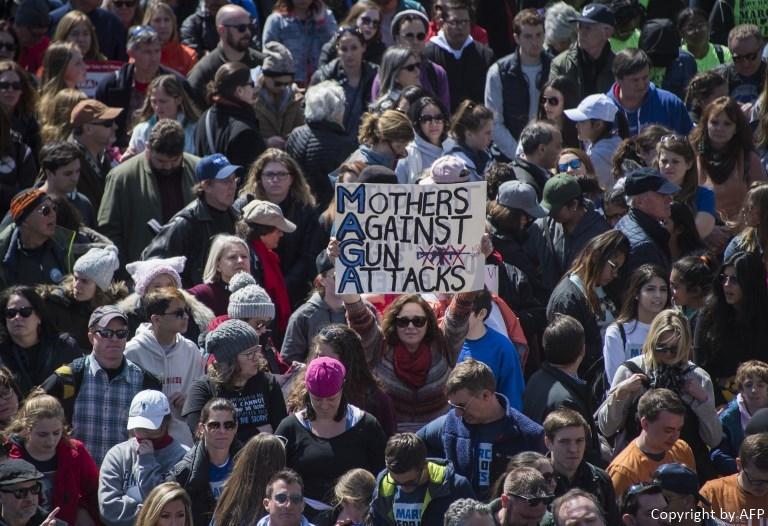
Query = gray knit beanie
x=98 y=264
x=239 y=280
x=277 y=60
x=229 y=339
x=251 y=302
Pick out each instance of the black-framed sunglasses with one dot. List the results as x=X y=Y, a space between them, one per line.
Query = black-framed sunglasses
x=10 y=46
x=368 y=21
x=402 y=322
x=123 y=3
x=725 y=279
x=749 y=57
x=428 y=119
x=10 y=86
x=241 y=28
x=282 y=83
x=213 y=425
x=25 y=312
x=23 y=492
x=106 y=123
x=552 y=101
x=665 y=349
x=282 y=498
x=120 y=334
x=412 y=67
x=573 y=163
x=534 y=501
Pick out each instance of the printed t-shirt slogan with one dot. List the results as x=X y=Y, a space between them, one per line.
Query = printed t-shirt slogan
x=406 y=238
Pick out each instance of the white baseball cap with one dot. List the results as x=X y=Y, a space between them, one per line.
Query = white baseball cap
x=148 y=409
x=598 y=106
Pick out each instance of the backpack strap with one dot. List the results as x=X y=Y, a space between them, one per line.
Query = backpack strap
x=70 y=379
x=623 y=334
x=633 y=367
x=720 y=53
x=209 y=133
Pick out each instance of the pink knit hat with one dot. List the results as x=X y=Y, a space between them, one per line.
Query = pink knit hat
x=325 y=377
x=143 y=272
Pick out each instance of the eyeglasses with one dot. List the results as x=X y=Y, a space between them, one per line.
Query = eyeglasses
x=241 y=28
x=251 y=354
x=123 y=3
x=179 y=313
x=213 y=425
x=725 y=279
x=141 y=30
x=457 y=23
x=753 y=482
x=666 y=349
x=106 y=124
x=418 y=36
x=408 y=483
x=401 y=322
x=460 y=407
x=23 y=492
x=573 y=163
x=614 y=266
x=25 y=312
x=673 y=138
x=47 y=210
x=552 y=101
x=412 y=67
x=10 y=46
x=10 y=86
x=282 y=498
x=428 y=119
x=368 y=21
x=534 y=501
x=275 y=175
x=120 y=334
x=749 y=57
x=250 y=83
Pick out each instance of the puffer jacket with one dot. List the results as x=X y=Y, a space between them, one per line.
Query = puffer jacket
x=320 y=147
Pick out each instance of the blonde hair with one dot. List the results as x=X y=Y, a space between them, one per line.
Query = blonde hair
x=55 y=115
x=668 y=320
x=356 y=485
x=155 y=6
x=72 y=20
x=37 y=406
x=158 y=499
x=390 y=126
x=219 y=244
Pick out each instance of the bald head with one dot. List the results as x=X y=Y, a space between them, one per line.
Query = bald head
x=232 y=14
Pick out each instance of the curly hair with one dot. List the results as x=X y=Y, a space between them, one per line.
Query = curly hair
x=433 y=336
x=37 y=406
x=300 y=191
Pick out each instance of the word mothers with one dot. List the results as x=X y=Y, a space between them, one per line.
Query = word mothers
x=404 y=238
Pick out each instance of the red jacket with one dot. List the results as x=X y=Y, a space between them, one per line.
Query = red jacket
x=77 y=480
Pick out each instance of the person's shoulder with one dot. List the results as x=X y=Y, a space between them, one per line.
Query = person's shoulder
x=133 y=167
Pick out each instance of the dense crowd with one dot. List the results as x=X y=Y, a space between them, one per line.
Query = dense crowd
x=174 y=350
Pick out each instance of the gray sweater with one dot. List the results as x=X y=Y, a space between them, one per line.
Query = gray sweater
x=126 y=478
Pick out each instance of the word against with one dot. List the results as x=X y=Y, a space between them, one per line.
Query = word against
x=406 y=238
x=753 y=517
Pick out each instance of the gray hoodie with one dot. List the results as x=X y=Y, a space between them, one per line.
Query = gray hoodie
x=304 y=324
x=126 y=478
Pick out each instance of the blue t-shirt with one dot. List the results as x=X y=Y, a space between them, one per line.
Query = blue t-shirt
x=499 y=353
x=705 y=200
x=407 y=506
x=217 y=475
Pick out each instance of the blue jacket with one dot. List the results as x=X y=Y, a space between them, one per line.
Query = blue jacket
x=659 y=107
x=450 y=437
x=648 y=242
x=724 y=455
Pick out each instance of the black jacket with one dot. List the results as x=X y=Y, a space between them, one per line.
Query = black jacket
x=466 y=75
x=189 y=233
x=198 y=31
x=234 y=131
x=595 y=481
x=320 y=147
x=648 y=242
x=530 y=173
x=192 y=474
x=204 y=71
x=115 y=89
x=18 y=170
x=31 y=367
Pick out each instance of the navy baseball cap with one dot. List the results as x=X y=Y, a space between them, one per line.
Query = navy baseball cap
x=678 y=478
x=597 y=13
x=215 y=166
x=648 y=180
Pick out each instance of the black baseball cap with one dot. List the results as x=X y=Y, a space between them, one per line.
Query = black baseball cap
x=15 y=471
x=597 y=14
x=678 y=478
x=645 y=180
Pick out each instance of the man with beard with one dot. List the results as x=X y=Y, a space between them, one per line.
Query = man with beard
x=190 y=231
x=524 y=500
x=147 y=190
x=20 y=487
x=233 y=23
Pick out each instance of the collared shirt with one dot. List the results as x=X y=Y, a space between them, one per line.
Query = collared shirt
x=100 y=416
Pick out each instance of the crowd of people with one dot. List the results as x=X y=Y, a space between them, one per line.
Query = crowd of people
x=174 y=350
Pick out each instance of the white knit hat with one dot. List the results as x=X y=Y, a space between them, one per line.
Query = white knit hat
x=143 y=272
x=98 y=264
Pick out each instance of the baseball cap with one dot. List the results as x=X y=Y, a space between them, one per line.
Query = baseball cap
x=105 y=314
x=148 y=409
x=325 y=377
x=90 y=110
x=597 y=106
x=266 y=213
x=517 y=194
x=16 y=470
x=446 y=170
x=597 y=14
x=215 y=166
x=678 y=478
x=558 y=190
x=648 y=180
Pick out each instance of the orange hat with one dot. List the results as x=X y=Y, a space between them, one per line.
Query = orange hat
x=25 y=202
x=90 y=110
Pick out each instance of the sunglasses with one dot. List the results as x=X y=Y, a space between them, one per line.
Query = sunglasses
x=428 y=119
x=412 y=67
x=573 y=163
x=368 y=21
x=401 y=322
x=725 y=279
x=123 y=3
x=23 y=492
x=25 y=312
x=213 y=425
x=10 y=46
x=10 y=86
x=666 y=349
x=749 y=57
x=418 y=36
x=120 y=334
x=282 y=498
x=534 y=501
x=674 y=138
x=179 y=313
x=552 y=101
x=106 y=124
x=754 y=482
x=241 y=28
x=408 y=483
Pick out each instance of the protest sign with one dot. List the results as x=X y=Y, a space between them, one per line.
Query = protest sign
x=406 y=238
x=95 y=72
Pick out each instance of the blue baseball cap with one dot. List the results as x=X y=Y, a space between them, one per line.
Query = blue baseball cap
x=215 y=166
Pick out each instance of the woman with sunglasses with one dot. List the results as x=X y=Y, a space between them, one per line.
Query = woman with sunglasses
x=580 y=293
x=430 y=122
x=558 y=94
x=240 y=375
x=327 y=435
x=205 y=468
x=303 y=27
x=400 y=68
x=352 y=72
x=128 y=11
x=725 y=156
x=364 y=15
x=732 y=328
x=39 y=434
x=664 y=362
x=17 y=160
x=19 y=100
x=230 y=125
x=241 y=501
x=30 y=346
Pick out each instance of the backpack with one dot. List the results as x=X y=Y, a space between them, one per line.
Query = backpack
x=720 y=53
x=597 y=377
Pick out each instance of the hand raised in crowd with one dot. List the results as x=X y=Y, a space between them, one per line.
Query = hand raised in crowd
x=50 y=520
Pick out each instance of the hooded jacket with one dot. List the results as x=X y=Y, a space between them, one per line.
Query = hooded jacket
x=421 y=155
x=444 y=487
x=466 y=72
x=659 y=107
x=648 y=241
x=305 y=323
x=176 y=367
x=569 y=64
